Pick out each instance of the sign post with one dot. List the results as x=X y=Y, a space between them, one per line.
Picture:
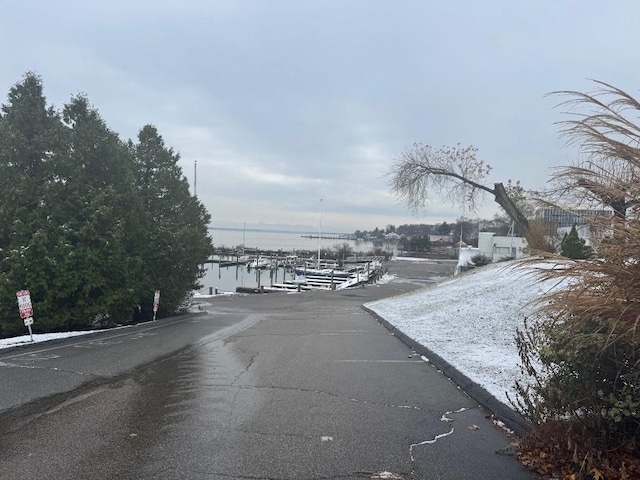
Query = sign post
x=156 y=302
x=26 y=309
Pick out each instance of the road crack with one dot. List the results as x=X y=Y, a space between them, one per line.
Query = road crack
x=446 y=420
x=334 y=395
x=252 y=360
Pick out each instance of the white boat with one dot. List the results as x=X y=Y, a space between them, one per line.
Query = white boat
x=259 y=263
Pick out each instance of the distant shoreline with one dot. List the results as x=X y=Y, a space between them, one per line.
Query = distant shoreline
x=264 y=230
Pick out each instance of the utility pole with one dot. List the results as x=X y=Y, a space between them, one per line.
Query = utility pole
x=195 y=178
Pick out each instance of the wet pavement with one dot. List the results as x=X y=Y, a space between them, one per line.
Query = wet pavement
x=276 y=386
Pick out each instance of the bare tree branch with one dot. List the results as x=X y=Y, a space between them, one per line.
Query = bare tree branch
x=452 y=173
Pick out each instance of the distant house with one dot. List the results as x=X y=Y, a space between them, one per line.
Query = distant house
x=441 y=239
x=491 y=246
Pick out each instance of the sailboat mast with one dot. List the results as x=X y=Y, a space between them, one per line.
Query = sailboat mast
x=319 y=234
x=244 y=228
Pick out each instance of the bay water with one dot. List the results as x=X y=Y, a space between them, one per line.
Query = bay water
x=280 y=240
x=226 y=279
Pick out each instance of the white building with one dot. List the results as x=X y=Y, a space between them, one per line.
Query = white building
x=491 y=246
x=499 y=248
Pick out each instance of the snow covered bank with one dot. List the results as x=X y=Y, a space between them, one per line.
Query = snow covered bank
x=197 y=305
x=39 y=337
x=470 y=321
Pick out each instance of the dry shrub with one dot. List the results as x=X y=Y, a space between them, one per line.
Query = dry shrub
x=583 y=354
x=582 y=351
x=542 y=237
x=567 y=450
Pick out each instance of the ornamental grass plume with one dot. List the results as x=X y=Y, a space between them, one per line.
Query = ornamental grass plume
x=582 y=349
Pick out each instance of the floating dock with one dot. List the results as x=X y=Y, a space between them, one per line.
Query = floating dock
x=319 y=282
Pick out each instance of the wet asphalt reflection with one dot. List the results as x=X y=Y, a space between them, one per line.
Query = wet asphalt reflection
x=172 y=419
x=189 y=407
x=310 y=387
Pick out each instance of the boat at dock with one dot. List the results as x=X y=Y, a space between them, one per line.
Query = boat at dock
x=320 y=268
x=260 y=263
x=282 y=275
x=333 y=279
x=287 y=270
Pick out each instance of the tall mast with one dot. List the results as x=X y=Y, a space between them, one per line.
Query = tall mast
x=319 y=234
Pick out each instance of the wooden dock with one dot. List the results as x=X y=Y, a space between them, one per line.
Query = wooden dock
x=364 y=269
x=319 y=282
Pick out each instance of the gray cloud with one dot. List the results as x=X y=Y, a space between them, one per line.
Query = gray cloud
x=286 y=102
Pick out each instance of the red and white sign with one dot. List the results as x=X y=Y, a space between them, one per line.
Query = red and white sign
x=156 y=300
x=24 y=304
x=28 y=321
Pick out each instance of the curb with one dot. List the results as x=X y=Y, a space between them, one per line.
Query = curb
x=499 y=410
x=86 y=336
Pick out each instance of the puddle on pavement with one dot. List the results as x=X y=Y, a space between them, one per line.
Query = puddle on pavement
x=189 y=402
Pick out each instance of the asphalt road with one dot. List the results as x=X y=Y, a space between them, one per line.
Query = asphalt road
x=276 y=386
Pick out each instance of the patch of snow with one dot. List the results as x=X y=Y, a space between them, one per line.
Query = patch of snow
x=198 y=305
x=386 y=278
x=415 y=259
x=387 y=475
x=39 y=337
x=470 y=321
x=219 y=294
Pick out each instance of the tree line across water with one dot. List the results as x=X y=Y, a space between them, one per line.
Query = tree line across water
x=90 y=224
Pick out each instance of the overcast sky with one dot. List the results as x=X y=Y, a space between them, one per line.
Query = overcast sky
x=283 y=103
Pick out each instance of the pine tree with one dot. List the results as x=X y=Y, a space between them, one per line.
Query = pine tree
x=175 y=224
x=32 y=140
x=89 y=224
x=95 y=203
x=572 y=246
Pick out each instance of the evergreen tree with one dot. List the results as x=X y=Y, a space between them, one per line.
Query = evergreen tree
x=175 y=224
x=90 y=225
x=572 y=246
x=420 y=243
x=96 y=278
x=32 y=140
x=444 y=228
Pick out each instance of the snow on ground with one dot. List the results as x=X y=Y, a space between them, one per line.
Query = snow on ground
x=386 y=278
x=220 y=293
x=197 y=305
x=414 y=259
x=39 y=337
x=470 y=321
